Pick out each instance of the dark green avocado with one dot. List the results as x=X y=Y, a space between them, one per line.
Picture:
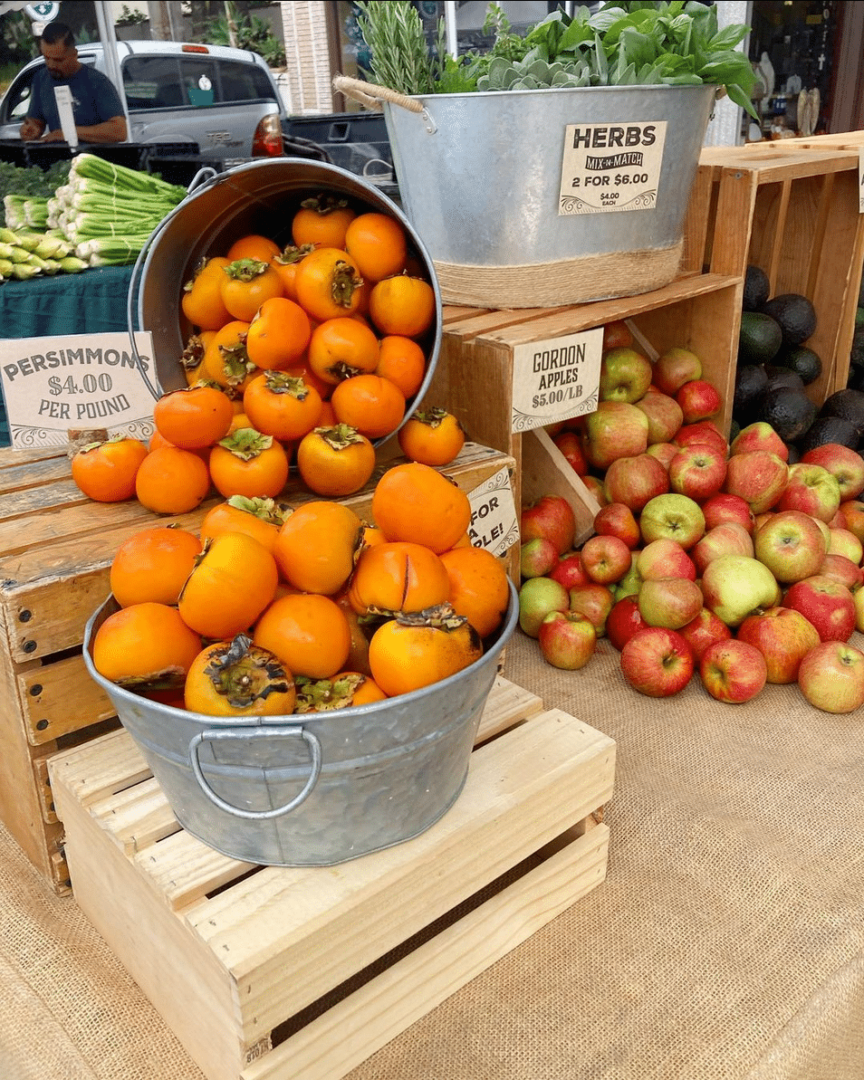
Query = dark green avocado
x=757 y=288
x=790 y=412
x=829 y=429
x=802 y=361
x=759 y=339
x=751 y=382
x=795 y=316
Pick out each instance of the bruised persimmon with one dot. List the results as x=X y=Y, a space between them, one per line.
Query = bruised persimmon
x=308 y=632
x=479 y=587
x=378 y=245
x=194 y=417
x=328 y=284
x=233 y=581
x=344 y=690
x=417 y=649
x=372 y=405
x=417 y=503
x=322 y=221
x=260 y=518
x=152 y=565
x=172 y=481
x=335 y=461
x=316 y=545
x=237 y=678
x=402 y=305
x=432 y=436
x=397 y=576
x=145 y=644
x=107 y=471
x=248 y=463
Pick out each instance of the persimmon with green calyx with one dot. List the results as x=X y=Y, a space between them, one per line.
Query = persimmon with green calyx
x=260 y=518
x=335 y=461
x=246 y=285
x=249 y=463
x=343 y=691
x=432 y=436
x=237 y=678
x=106 y=471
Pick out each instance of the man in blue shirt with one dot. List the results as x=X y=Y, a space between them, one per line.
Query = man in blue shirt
x=96 y=105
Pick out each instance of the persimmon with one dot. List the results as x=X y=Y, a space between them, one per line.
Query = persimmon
x=157 y=440
x=145 y=645
x=372 y=405
x=328 y=415
x=377 y=243
x=308 y=632
x=301 y=369
x=194 y=417
x=403 y=362
x=201 y=302
x=282 y=405
x=246 y=284
x=479 y=587
x=416 y=650
x=152 y=565
x=107 y=470
x=344 y=690
x=192 y=357
x=258 y=517
x=342 y=347
x=172 y=481
x=417 y=503
x=278 y=334
x=358 y=652
x=237 y=678
x=226 y=361
x=285 y=264
x=432 y=436
x=316 y=545
x=396 y=576
x=335 y=461
x=252 y=246
x=233 y=581
x=322 y=222
x=402 y=305
x=328 y=284
x=249 y=463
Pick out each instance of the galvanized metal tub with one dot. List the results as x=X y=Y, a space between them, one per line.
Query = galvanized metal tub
x=260 y=197
x=480 y=176
x=313 y=789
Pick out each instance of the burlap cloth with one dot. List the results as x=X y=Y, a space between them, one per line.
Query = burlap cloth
x=727 y=941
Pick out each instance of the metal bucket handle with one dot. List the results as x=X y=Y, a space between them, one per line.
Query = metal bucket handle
x=214 y=735
x=371 y=95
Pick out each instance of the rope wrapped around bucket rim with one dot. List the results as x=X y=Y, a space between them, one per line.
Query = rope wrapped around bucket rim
x=371 y=94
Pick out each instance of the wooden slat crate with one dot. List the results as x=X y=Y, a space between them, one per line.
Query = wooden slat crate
x=282 y=974
x=56 y=548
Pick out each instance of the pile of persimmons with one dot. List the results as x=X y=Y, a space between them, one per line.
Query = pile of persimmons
x=318 y=612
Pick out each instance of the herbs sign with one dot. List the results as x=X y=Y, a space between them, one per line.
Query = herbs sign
x=556 y=379
x=611 y=167
x=56 y=384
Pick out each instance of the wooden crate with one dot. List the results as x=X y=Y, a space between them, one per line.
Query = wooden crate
x=791 y=208
x=282 y=974
x=56 y=548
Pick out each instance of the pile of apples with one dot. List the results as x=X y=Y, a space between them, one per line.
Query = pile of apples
x=708 y=558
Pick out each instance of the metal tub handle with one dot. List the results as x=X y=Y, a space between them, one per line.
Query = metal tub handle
x=257 y=733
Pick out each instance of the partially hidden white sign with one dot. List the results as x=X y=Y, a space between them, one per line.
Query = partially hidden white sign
x=56 y=384
x=494 y=523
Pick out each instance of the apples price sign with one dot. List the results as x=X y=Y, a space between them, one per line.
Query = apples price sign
x=556 y=379
x=610 y=168
x=494 y=521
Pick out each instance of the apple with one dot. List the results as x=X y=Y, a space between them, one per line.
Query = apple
x=724 y=507
x=704 y=630
x=675 y=368
x=840 y=568
x=664 y=416
x=831 y=677
x=630 y=584
x=858 y=601
x=697 y=471
x=703 y=431
x=569 y=572
x=825 y=603
x=617 y=335
x=729 y=538
x=537 y=558
x=657 y=662
x=616 y=519
x=664 y=452
x=596 y=488
x=677 y=517
x=633 y=481
x=845 y=542
x=811 y=489
x=606 y=559
x=783 y=636
x=570 y=445
x=537 y=597
x=791 y=545
x=594 y=601
x=759 y=436
x=847 y=466
x=734 y=586
x=623 y=621
x=670 y=602
x=733 y=671
x=838 y=521
x=699 y=400
x=615 y=429
x=550 y=516
x=625 y=375
x=853 y=516
x=759 y=477
x=664 y=558
x=567 y=640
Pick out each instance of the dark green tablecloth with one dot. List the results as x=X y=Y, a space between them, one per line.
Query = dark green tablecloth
x=92 y=302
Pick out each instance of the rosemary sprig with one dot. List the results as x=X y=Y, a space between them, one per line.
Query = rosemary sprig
x=400 y=53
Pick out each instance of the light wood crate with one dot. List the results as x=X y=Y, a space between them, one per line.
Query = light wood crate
x=268 y=973
x=56 y=548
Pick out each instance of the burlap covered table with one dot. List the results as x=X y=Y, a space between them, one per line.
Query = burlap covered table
x=727 y=942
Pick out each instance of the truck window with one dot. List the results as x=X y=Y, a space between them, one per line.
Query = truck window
x=153 y=82
x=243 y=82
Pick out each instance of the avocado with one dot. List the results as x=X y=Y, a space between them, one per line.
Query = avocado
x=855 y=380
x=793 y=454
x=802 y=361
x=782 y=378
x=790 y=412
x=751 y=382
x=794 y=314
x=759 y=339
x=829 y=429
x=757 y=288
x=848 y=405
x=856 y=354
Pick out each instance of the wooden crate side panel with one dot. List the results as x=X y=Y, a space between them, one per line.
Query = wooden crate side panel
x=59 y=698
x=545 y=471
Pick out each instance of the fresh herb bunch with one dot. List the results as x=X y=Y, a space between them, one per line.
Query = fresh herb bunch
x=676 y=42
x=32 y=182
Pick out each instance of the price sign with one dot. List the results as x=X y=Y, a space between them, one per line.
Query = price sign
x=55 y=384
x=556 y=379
x=494 y=523
x=610 y=168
